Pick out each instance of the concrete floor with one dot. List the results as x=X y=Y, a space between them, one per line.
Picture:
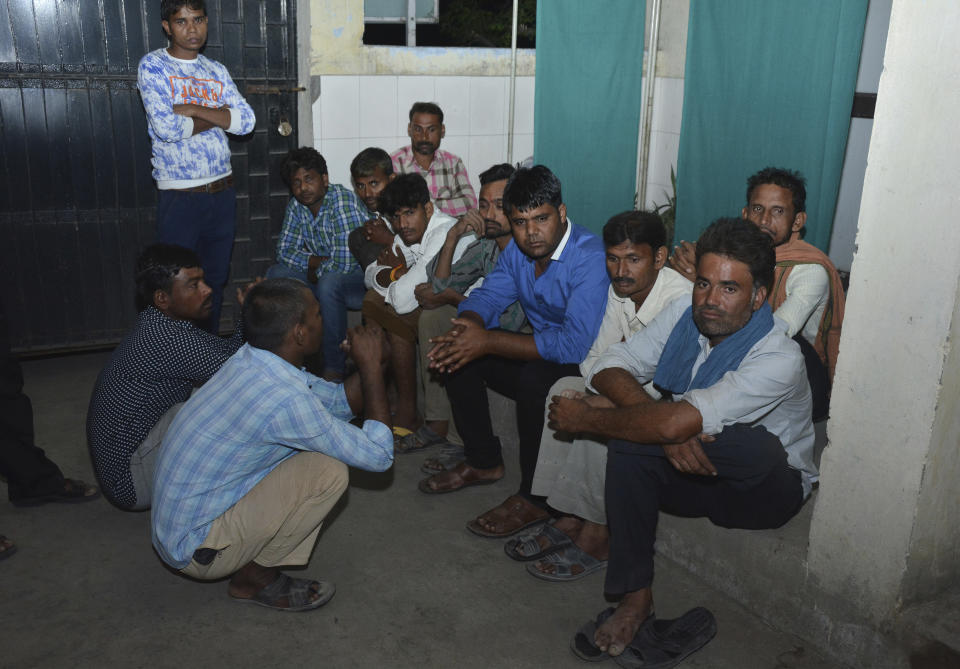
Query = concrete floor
x=414 y=588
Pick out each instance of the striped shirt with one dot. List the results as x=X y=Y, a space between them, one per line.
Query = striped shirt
x=256 y=412
x=447 y=179
x=325 y=234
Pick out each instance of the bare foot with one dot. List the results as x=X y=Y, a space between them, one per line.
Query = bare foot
x=616 y=633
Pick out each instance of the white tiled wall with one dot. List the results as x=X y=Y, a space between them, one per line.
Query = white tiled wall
x=354 y=112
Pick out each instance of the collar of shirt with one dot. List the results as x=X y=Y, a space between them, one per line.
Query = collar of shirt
x=563 y=241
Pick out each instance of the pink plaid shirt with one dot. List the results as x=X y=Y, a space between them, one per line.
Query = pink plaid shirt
x=447 y=179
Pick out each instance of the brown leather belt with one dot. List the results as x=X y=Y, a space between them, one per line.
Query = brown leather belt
x=212 y=187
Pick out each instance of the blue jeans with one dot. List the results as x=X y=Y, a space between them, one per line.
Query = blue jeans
x=205 y=223
x=336 y=293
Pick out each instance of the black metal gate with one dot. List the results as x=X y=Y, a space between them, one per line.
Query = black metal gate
x=77 y=201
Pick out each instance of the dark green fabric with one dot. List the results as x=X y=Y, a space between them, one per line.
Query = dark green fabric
x=768 y=82
x=587 y=105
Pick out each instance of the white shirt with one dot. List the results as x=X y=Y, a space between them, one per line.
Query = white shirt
x=399 y=294
x=622 y=319
x=769 y=388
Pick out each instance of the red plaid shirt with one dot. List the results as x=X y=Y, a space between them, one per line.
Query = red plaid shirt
x=447 y=179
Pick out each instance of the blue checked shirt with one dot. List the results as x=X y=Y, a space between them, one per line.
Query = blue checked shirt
x=253 y=414
x=304 y=235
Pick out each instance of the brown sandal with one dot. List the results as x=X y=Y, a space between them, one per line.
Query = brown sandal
x=461 y=476
x=513 y=515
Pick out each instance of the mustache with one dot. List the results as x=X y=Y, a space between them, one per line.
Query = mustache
x=623 y=281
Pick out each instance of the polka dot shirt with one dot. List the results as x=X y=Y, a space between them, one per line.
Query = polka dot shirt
x=156 y=365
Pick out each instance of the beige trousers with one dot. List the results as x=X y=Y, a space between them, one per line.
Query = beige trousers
x=278 y=521
x=571 y=474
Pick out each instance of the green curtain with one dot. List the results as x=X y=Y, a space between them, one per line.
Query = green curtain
x=587 y=102
x=768 y=82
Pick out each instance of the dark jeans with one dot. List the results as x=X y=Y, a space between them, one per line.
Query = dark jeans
x=205 y=223
x=754 y=489
x=527 y=382
x=28 y=471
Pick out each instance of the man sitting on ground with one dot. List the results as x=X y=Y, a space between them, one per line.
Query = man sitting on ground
x=448 y=285
x=152 y=372
x=445 y=173
x=371 y=170
x=807 y=293
x=313 y=247
x=732 y=438
x=401 y=267
x=555 y=269
x=256 y=458
x=571 y=476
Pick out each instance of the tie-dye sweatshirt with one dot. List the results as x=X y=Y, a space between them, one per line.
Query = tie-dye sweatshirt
x=180 y=158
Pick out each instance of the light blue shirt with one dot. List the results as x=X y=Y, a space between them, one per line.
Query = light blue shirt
x=564 y=305
x=769 y=388
x=253 y=414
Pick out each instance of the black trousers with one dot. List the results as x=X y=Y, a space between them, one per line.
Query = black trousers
x=817 y=376
x=754 y=489
x=28 y=471
x=527 y=382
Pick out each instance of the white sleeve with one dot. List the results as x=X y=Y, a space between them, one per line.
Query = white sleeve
x=610 y=333
x=808 y=289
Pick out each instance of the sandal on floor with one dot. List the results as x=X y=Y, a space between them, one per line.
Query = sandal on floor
x=526 y=548
x=564 y=560
x=666 y=643
x=7 y=547
x=416 y=441
x=461 y=476
x=74 y=492
x=583 y=645
x=296 y=590
x=513 y=515
x=450 y=456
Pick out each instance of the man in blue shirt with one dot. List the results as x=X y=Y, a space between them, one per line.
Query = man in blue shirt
x=313 y=247
x=557 y=271
x=258 y=456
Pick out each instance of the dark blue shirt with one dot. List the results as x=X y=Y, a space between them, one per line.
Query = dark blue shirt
x=156 y=365
x=564 y=305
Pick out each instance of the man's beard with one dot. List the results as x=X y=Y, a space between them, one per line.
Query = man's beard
x=424 y=147
x=724 y=326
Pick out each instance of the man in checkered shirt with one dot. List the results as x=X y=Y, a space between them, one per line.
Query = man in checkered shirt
x=313 y=247
x=446 y=175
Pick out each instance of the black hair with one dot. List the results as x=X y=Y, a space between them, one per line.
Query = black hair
x=156 y=267
x=532 y=187
x=426 y=108
x=741 y=240
x=271 y=309
x=789 y=179
x=369 y=160
x=636 y=227
x=497 y=173
x=170 y=7
x=407 y=190
x=307 y=158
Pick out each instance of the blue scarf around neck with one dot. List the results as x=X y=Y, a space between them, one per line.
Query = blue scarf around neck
x=682 y=348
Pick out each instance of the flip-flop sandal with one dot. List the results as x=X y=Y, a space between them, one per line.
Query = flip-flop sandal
x=582 y=645
x=296 y=590
x=666 y=643
x=74 y=492
x=564 y=560
x=450 y=456
x=424 y=486
x=526 y=548
x=406 y=441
